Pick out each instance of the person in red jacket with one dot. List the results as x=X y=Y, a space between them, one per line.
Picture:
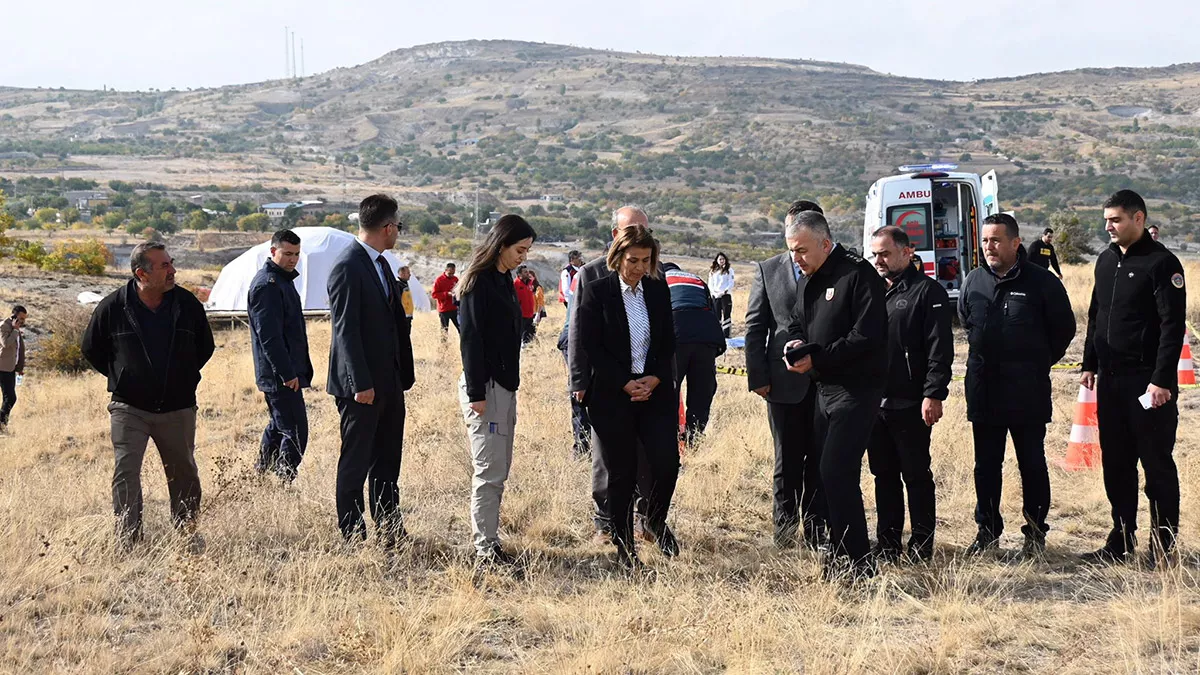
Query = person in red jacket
x=443 y=294
x=525 y=296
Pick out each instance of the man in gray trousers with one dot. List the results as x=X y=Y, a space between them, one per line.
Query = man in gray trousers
x=150 y=338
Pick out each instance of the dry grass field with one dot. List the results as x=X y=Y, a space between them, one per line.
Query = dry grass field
x=277 y=592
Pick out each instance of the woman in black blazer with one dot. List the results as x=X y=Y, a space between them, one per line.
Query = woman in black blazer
x=628 y=333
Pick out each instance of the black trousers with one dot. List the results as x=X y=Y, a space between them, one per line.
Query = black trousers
x=624 y=430
x=899 y=458
x=372 y=446
x=8 y=385
x=528 y=330
x=1029 y=440
x=581 y=425
x=797 y=483
x=845 y=418
x=1129 y=433
x=448 y=318
x=286 y=436
x=724 y=305
x=698 y=365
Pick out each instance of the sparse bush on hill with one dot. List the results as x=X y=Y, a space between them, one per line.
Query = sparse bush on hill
x=61 y=350
x=29 y=251
x=1072 y=241
x=89 y=257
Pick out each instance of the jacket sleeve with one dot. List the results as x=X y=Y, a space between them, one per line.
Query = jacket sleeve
x=471 y=311
x=1054 y=261
x=579 y=369
x=97 y=342
x=1091 y=362
x=760 y=323
x=21 y=354
x=345 y=300
x=589 y=321
x=265 y=306
x=964 y=313
x=664 y=349
x=869 y=332
x=1060 y=319
x=939 y=342
x=1171 y=302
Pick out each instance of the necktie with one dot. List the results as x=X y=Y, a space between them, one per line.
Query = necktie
x=387 y=276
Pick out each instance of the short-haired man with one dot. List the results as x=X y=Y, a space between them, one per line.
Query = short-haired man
x=841 y=312
x=443 y=295
x=798 y=500
x=1019 y=322
x=1135 y=333
x=12 y=359
x=370 y=368
x=1042 y=254
x=523 y=285
x=920 y=355
x=150 y=338
x=574 y=262
x=282 y=368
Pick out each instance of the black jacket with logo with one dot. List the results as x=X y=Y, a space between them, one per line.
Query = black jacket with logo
x=114 y=344
x=1018 y=326
x=842 y=308
x=1136 y=318
x=278 y=335
x=920 y=339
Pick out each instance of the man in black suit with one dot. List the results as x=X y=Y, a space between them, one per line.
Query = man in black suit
x=790 y=397
x=370 y=368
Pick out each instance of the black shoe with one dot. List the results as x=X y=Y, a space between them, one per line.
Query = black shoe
x=1034 y=547
x=841 y=569
x=817 y=540
x=919 y=555
x=1105 y=555
x=786 y=535
x=627 y=559
x=667 y=543
x=984 y=543
x=1160 y=557
x=495 y=557
x=887 y=554
x=392 y=537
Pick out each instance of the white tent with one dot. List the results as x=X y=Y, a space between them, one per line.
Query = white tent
x=319 y=248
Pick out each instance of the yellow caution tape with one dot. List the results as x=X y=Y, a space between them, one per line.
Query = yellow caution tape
x=730 y=370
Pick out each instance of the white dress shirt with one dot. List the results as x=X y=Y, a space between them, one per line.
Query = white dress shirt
x=720 y=283
x=375 y=263
x=639 y=326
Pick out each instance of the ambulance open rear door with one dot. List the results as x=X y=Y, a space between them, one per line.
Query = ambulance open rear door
x=908 y=204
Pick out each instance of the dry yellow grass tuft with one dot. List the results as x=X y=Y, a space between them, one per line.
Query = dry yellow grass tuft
x=276 y=591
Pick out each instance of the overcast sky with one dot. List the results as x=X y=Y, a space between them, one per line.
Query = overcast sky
x=138 y=44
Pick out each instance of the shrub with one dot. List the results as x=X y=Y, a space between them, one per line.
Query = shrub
x=89 y=257
x=29 y=251
x=60 y=350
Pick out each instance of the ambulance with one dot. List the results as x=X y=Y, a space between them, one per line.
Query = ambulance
x=942 y=210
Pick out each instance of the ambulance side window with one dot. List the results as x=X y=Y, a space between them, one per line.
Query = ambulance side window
x=915 y=220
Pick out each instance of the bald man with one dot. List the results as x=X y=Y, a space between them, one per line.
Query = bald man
x=580 y=377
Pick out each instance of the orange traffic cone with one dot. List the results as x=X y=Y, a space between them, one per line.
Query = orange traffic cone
x=1187 y=374
x=1083 y=451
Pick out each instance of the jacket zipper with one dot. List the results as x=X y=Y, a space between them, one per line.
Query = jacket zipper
x=1111 y=300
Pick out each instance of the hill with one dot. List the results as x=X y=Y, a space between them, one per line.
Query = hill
x=700 y=138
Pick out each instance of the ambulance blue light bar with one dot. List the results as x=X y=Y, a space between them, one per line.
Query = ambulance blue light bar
x=927 y=168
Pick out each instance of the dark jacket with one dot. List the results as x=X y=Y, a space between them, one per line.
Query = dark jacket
x=1043 y=255
x=1017 y=326
x=841 y=308
x=371 y=344
x=920 y=340
x=278 y=336
x=1136 y=318
x=114 y=344
x=604 y=330
x=768 y=317
x=579 y=369
x=489 y=324
x=696 y=321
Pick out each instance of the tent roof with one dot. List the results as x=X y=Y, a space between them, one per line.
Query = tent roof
x=319 y=249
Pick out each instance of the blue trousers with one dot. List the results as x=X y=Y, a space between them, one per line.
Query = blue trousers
x=286 y=435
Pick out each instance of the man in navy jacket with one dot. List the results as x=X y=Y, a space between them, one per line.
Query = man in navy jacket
x=282 y=366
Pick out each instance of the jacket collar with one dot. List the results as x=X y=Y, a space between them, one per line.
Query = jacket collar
x=1016 y=269
x=1142 y=246
x=910 y=276
x=276 y=269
